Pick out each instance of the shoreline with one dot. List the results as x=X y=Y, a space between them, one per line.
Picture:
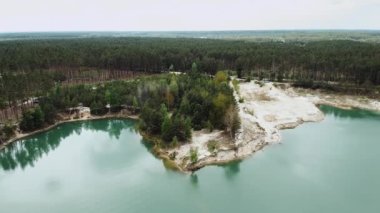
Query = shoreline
x=20 y=136
x=340 y=101
x=266 y=110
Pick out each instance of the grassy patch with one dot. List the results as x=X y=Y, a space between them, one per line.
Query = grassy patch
x=212 y=145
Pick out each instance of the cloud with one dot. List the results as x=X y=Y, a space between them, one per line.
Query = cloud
x=52 y=15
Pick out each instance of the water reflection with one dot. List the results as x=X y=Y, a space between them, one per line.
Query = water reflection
x=194 y=179
x=231 y=169
x=350 y=114
x=149 y=147
x=29 y=150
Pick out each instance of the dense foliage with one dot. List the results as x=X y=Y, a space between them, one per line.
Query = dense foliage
x=32 y=120
x=344 y=60
x=60 y=99
x=6 y=132
x=195 y=101
x=39 y=68
x=170 y=105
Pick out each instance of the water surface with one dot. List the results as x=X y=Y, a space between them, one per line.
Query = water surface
x=104 y=166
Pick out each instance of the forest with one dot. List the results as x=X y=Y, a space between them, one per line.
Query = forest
x=169 y=105
x=336 y=60
x=60 y=73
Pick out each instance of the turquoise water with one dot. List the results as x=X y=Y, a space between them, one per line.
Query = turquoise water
x=104 y=166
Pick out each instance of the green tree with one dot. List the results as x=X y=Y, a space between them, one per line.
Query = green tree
x=193 y=155
x=49 y=111
x=151 y=120
x=7 y=132
x=221 y=77
x=174 y=141
x=32 y=120
x=164 y=111
x=135 y=104
x=232 y=121
x=188 y=128
x=194 y=67
x=220 y=104
x=166 y=129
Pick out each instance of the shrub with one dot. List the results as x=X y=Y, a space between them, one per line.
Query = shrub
x=221 y=77
x=235 y=83
x=9 y=130
x=193 y=155
x=174 y=141
x=212 y=145
x=209 y=126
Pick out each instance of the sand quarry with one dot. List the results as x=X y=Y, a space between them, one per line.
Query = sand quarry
x=266 y=110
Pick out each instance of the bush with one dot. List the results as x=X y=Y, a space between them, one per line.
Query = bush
x=212 y=146
x=193 y=155
x=235 y=83
x=7 y=132
x=221 y=77
x=174 y=141
x=209 y=126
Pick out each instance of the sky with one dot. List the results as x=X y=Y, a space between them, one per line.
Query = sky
x=186 y=15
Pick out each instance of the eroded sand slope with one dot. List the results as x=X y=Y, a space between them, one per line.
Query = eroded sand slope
x=264 y=111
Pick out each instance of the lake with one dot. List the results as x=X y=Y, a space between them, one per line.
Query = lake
x=105 y=166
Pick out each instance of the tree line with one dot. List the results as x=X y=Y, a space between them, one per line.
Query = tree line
x=337 y=60
x=35 y=68
x=31 y=67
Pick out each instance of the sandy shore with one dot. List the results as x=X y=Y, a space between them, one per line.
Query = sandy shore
x=337 y=100
x=264 y=112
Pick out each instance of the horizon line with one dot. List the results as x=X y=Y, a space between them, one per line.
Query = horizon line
x=226 y=30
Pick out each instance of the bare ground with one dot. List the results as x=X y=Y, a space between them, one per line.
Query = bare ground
x=266 y=110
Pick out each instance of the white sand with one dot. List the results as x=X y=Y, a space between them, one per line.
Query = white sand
x=263 y=113
x=336 y=100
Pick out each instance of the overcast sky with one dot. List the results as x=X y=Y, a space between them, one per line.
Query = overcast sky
x=160 y=15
